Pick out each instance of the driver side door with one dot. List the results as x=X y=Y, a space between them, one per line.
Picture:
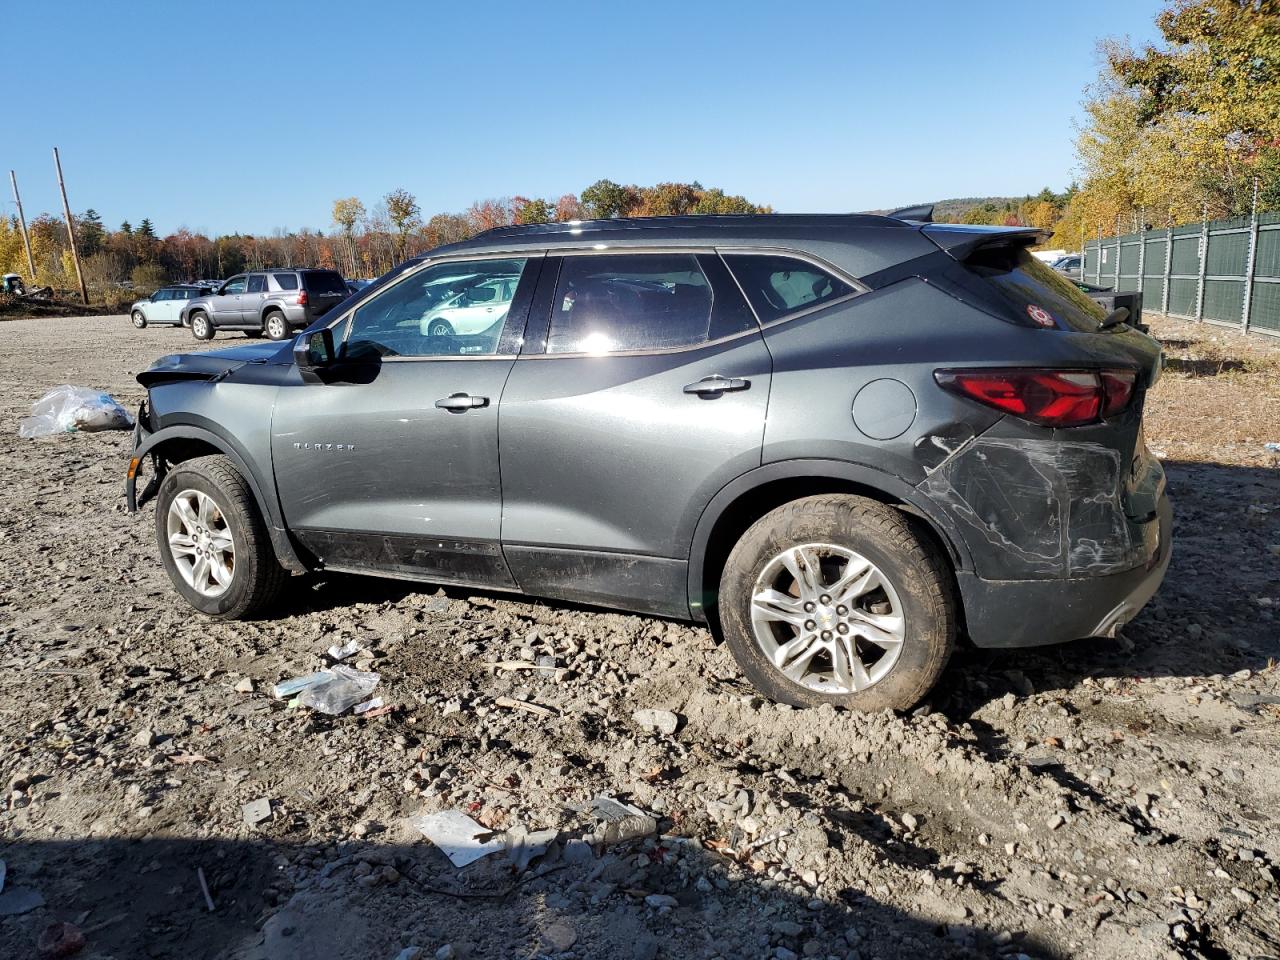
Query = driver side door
x=226 y=305
x=390 y=463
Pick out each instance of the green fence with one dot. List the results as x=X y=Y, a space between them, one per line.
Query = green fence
x=1226 y=271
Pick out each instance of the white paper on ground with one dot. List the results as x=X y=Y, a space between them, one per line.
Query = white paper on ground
x=456 y=835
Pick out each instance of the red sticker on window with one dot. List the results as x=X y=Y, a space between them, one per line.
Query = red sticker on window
x=1040 y=315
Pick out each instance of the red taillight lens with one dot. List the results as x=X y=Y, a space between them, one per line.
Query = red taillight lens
x=1051 y=398
x=302 y=299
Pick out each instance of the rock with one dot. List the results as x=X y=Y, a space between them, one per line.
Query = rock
x=60 y=940
x=660 y=900
x=578 y=851
x=410 y=953
x=558 y=938
x=662 y=721
x=782 y=953
x=446 y=952
x=1054 y=822
x=788 y=928
x=144 y=738
x=244 y=686
x=1243 y=895
x=910 y=821
x=622 y=821
x=255 y=811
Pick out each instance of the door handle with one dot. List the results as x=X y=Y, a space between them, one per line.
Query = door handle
x=714 y=386
x=461 y=402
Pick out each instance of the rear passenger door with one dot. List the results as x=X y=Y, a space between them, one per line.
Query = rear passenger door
x=254 y=297
x=641 y=391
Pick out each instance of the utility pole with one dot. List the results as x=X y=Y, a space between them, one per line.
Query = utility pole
x=22 y=222
x=71 y=229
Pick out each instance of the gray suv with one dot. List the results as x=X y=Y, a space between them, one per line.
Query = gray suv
x=843 y=442
x=271 y=302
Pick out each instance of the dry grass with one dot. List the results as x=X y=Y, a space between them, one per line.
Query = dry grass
x=1219 y=398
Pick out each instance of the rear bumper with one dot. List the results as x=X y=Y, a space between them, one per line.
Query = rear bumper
x=1032 y=613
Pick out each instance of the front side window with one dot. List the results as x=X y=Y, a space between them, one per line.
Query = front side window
x=257 y=283
x=458 y=308
x=159 y=295
x=617 y=302
x=234 y=285
x=780 y=285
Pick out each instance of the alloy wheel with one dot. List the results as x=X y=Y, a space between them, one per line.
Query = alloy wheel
x=139 y=320
x=275 y=327
x=200 y=542
x=827 y=618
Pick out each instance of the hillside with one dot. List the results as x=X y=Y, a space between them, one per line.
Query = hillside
x=944 y=210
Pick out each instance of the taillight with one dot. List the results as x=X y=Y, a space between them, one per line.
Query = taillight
x=302 y=299
x=1051 y=398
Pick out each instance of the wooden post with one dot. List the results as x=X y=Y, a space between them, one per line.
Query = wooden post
x=22 y=222
x=71 y=229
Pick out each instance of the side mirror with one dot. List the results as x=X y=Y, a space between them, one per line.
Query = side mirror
x=313 y=352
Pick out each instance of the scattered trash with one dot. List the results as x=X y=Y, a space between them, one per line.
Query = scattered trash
x=60 y=940
x=459 y=837
x=66 y=409
x=368 y=707
x=534 y=708
x=18 y=900
x=287 y=688
x=341 y=690
x=661 y=721
x=255 y=811
x=1273 y=447
x=622 y=821
x=204 y=886
x=341 y=652
x=186 y=757
x=522 y=846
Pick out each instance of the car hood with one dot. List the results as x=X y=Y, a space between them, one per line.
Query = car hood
x=211 y=364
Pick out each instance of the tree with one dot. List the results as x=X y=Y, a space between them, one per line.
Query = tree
x=605 y=199
x=346 y=214
x=569 y=207
x=90 y=232
x=126 y=228
x=149 y=277
x=403 y=212
x=530 y=211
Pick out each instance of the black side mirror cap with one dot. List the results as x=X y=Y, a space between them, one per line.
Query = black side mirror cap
x=313 y=352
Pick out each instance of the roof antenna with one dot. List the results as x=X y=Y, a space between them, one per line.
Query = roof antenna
x=920 y=214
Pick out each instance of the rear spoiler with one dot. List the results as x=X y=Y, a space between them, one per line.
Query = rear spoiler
x=919 y=214
x=961 y=240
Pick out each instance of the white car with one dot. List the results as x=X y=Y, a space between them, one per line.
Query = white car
x=473 y=310
x=164 y=306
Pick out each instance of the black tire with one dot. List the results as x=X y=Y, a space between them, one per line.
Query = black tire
x=275 y=326
x=882 y=536
x=256 y=575
x=139 y=319
x=201 y=326
x=439 y=328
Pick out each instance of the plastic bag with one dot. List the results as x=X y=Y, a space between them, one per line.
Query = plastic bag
x=343 y=690
x=66 y=408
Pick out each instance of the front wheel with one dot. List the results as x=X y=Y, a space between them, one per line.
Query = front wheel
x=138 y=319
x=201 y=328
x=834 y=599
x=275 y=325
x=439 y=328
x=213 y=542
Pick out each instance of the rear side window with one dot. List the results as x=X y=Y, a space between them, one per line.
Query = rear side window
x=778 y=286
x=611 y=303
x=1038 y=294
x=257 y=283
x=286 y=281
x=323 y=281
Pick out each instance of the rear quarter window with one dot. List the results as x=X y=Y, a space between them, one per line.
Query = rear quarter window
x=778 y=286
x=286 y=281
x=1029 y=286
x=323 y=281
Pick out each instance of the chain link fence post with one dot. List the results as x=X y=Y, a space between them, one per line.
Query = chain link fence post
x=1252 y=259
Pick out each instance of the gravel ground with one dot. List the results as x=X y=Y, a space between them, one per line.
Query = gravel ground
x=1109 y=797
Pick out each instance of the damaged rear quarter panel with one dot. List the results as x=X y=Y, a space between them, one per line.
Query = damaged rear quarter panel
x=1038 y=509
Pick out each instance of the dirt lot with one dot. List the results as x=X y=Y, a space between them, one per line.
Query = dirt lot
x=1111 y=798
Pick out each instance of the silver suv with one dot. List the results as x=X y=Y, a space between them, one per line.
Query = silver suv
x=271 y=302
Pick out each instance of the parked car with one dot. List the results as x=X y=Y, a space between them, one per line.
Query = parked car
x=355 y=286
x=479 y=303
x=1069 y=266
x=164 y=307
x=271 y=302
x=839 y=440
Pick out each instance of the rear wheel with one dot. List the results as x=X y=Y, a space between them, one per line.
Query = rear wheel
x=213 y=542
x=139 y=320
x=201 y=328
x=834 y=599
x=275 y=326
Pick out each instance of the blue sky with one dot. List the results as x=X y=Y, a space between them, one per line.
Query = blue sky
x=256 y=116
